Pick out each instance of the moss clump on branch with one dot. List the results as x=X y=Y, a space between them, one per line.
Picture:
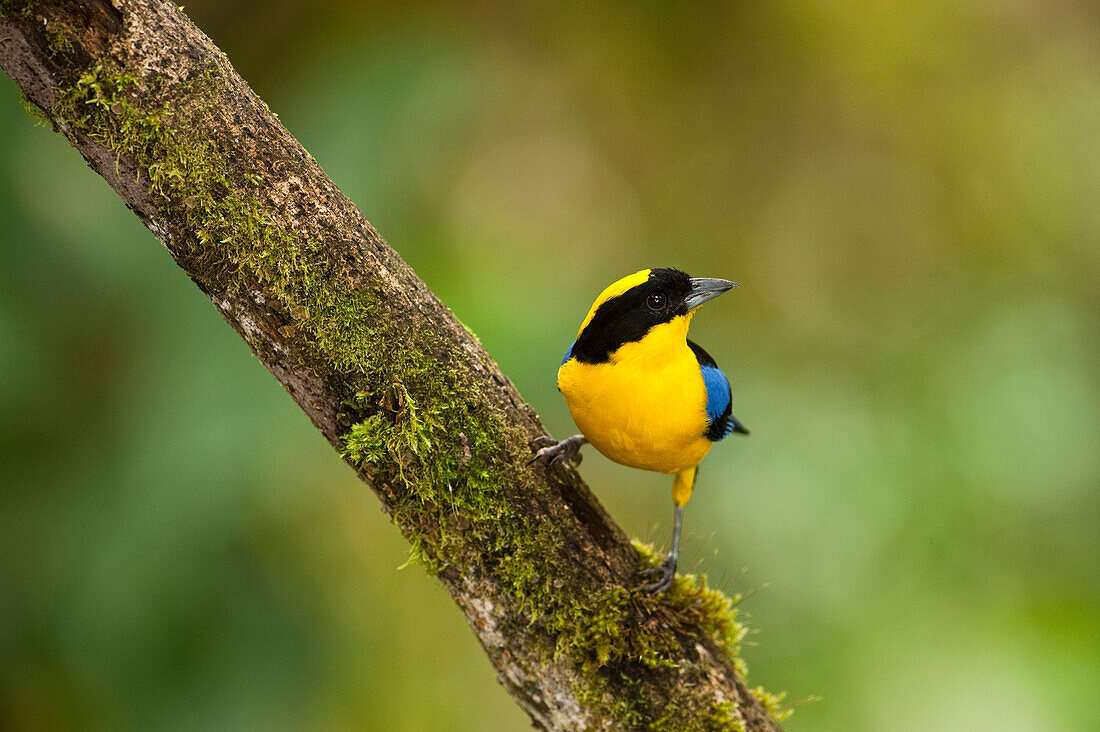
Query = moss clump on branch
x=417 y=426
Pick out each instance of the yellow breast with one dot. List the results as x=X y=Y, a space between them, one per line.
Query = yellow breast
x=646 y=407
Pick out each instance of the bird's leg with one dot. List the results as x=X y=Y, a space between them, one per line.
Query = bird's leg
x=666 y=570
x=555 y=452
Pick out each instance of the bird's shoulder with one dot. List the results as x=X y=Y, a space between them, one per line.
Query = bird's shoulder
x=702 y=356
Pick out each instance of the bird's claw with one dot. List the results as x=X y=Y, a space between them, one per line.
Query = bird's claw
x=555 y=452
x=665 y=573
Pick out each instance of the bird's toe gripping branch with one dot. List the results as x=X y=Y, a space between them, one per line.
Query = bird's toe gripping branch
x=554 y=452
x=665 y=572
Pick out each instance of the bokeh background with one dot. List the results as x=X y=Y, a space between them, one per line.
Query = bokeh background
x=908 y=195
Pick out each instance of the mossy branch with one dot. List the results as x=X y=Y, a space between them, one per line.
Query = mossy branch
x=407 y=395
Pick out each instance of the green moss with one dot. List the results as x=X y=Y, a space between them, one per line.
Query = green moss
x=626 y=709
x=59 y=42
x=773 y=703
x=629 y=712
x=604 y=631
x=367 y=442
x=417 y=426
x=723 y=716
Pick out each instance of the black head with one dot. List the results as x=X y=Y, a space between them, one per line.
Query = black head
x=629 y=308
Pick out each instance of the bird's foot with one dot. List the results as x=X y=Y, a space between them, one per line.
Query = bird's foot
x=665 y=572
x=554 y=452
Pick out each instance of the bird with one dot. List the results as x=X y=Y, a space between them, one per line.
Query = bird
x=641 y=392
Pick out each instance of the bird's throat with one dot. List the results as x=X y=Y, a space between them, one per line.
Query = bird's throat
x=662 y=344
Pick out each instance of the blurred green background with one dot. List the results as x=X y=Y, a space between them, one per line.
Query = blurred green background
x=908 y=195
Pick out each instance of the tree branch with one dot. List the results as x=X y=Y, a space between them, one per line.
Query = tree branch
x=385 y=371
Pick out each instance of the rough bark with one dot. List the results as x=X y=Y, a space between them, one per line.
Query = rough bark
x=386 y=372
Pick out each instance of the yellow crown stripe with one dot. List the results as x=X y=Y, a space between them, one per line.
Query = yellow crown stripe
x=614 y=290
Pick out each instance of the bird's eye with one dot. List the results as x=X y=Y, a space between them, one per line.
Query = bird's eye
x=656 y=301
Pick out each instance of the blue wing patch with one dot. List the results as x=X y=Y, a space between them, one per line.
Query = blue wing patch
x=718 y=392
x=568 y=354
x=720 y=421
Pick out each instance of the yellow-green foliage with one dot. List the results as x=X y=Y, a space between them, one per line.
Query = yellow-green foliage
x=417 y=426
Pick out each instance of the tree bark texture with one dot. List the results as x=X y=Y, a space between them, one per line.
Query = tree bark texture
x=396 y=383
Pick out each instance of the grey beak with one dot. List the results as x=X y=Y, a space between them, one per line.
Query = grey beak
x=706 y=288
